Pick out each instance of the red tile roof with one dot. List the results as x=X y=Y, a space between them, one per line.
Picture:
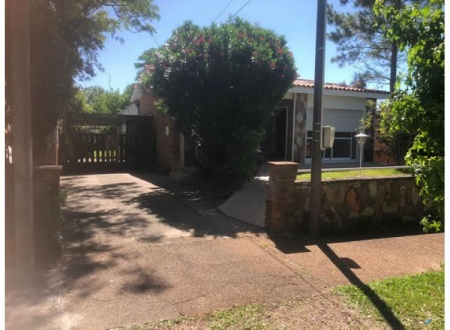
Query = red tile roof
x=306 y=83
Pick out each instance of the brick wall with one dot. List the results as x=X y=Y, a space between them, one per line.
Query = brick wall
x=167 y=145
x=382 y=155
x=47 y=217
x=280 y=197
x=147 y=104
x=166 y=135
x=381 y=152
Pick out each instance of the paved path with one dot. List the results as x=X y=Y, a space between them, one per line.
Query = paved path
x=139 y=248
x=249 y=203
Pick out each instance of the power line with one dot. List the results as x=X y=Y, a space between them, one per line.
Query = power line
x=155 y=39
x=239 y=10
x=229 y=3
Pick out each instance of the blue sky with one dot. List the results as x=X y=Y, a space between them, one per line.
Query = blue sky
x=295 y=19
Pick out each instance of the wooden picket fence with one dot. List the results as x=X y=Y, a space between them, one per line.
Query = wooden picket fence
x=96 y=151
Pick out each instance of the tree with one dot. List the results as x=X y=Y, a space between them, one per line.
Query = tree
x=222 y=83
x=99 y=100
x=65 y=38
x=85 y=25
x=362 y=44
x=147 y=57
x=418 y=107
x=128 y=92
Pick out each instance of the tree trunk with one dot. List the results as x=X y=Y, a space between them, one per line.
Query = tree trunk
x=393 y=77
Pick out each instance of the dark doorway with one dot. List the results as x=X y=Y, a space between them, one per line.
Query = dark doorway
x=140 y=143
x=280 y=135
x=274 y=146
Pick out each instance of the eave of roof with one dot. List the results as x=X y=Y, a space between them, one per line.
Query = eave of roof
x=307 y=86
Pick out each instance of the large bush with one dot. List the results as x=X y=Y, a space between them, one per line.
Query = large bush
x=222 y=83
x=418 y=106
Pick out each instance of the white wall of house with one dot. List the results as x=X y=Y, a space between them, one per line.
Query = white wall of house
x=342 y=108
x=342 y=120
x=130 y=109
x=339 y=102
x=137 y=94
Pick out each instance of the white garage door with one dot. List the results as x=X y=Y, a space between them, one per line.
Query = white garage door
x=342 y=120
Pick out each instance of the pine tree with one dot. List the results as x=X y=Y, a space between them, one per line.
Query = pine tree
x=361 y=43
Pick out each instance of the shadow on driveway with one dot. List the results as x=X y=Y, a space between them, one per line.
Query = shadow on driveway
x=107 y=213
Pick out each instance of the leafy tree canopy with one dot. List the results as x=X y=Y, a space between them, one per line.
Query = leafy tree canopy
x=65 y=38
x=99 y=100
x=147 y=57
x=417 y=106
x=86 y=24
x=222 y=83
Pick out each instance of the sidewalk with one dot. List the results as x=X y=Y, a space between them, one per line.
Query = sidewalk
x=139 y=251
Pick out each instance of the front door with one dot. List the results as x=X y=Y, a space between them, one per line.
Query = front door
x=274 y=146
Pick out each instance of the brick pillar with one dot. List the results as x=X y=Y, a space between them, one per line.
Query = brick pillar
x=279 y=201
x=47 y=218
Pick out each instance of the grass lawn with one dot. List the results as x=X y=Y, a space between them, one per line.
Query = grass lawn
x=417 y=301
x=240 y=317
x=365 y=173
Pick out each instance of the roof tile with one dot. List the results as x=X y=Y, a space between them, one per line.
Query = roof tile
x=307 y=83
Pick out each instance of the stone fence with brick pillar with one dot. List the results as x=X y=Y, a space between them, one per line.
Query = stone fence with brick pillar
x=347 y=205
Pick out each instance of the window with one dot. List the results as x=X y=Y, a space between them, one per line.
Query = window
x=343 y=147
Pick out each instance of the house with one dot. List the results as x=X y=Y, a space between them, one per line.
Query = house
x=289 y=136
x=172 y=150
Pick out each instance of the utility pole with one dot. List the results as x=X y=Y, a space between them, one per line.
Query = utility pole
x=316 y=162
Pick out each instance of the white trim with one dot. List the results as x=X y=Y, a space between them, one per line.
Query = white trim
x=286 y=133
x=293 y=127
x=335 y=92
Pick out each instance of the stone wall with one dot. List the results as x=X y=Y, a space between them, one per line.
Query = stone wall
x=301 y=108
x=346 y=205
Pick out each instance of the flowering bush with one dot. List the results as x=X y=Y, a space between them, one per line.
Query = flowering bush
x=223 y=83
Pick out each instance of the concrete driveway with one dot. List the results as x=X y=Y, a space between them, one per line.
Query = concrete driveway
x=141 y=248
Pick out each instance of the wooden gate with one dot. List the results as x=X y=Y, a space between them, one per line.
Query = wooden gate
x=82 y=150
x=93 y=151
